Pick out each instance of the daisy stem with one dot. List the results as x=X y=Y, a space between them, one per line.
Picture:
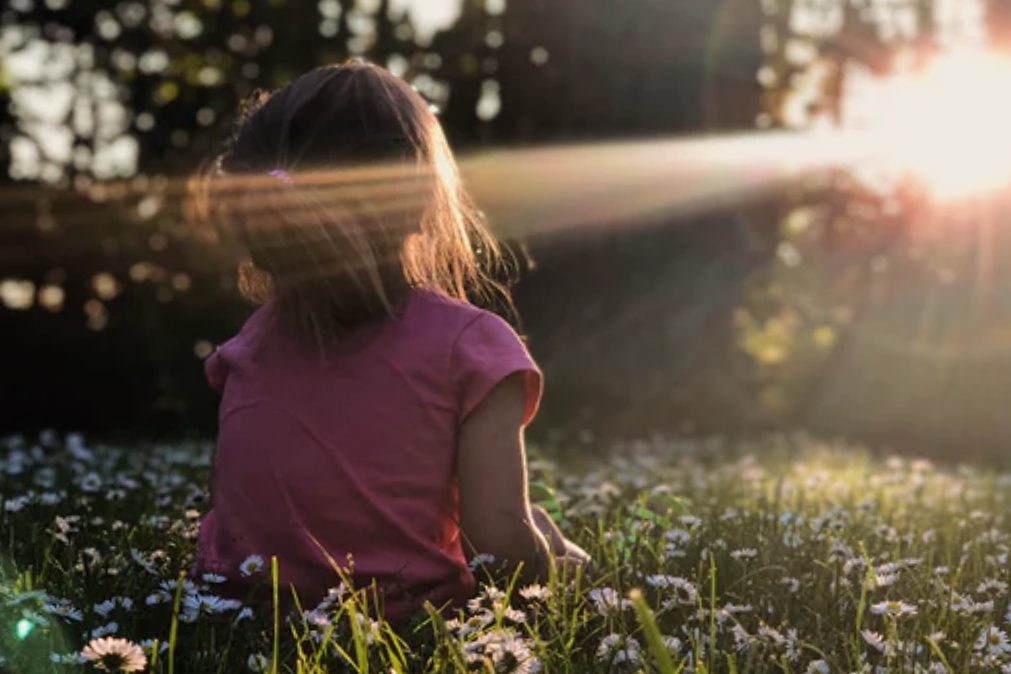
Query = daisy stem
x=652 y=633
x=277 y=613
x=174 y=627
x=940 y=654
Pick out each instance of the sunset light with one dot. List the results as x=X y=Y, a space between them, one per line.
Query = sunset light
x=944 y=123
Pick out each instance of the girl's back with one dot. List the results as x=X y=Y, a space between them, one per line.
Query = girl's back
x=351 y=451
x=364 y=413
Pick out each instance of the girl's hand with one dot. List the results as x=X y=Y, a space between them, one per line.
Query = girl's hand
x=542 y=520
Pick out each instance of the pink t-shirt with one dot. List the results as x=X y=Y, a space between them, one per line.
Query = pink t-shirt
x=353 y=451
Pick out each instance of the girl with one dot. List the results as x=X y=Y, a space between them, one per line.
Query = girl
x=370 y=415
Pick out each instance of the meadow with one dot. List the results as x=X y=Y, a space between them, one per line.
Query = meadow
x=780 y=554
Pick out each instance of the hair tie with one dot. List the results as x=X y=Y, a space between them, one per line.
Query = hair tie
x=281 y=175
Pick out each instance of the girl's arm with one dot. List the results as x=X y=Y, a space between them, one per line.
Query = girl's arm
x=495 y=512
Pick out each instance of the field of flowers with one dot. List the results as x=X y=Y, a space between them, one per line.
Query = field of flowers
x=778 y=555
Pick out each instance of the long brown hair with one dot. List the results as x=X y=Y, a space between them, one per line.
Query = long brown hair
x=343 y=191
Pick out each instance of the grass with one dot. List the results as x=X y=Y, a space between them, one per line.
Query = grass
x=776 y=555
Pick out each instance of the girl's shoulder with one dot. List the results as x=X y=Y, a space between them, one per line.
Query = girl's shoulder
x=435 y=313
x=251 y=332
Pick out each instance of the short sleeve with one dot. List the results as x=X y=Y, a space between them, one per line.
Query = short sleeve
x=487 y=351
x=214 y=370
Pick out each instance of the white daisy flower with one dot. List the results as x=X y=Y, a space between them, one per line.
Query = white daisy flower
x=992 y=586
x=685 y=593
x=894 y=608
x=504 y=650
x=115 y=655
x=63 y=609
x=742 y=641
x=14 y=505
x=251 y=565
x=535 y=592
x=881 y=579
x=818 y=667
x=771 y=634
x=616 y=649
x=607 y=601
x=744 y=553
x=67 y=658
x=317 y=618
x=90 y=483
x=257 y=662
x=105 y=630
x=105 y=608
x=208 y=604
x=993 y=641
x=960 y=603
x=678 y=537
x=149 y=644
x=874 y=640
x=144 y=562
x=479 y=560
x=514 y=615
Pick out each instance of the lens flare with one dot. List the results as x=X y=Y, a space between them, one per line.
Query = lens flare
x=23 y=629
x=946 y=123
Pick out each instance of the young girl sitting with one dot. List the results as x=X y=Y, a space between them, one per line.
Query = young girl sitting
x=369 y=412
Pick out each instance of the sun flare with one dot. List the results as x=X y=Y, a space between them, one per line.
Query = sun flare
x=947 y=123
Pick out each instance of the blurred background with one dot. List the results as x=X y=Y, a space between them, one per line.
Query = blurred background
x=867 y=299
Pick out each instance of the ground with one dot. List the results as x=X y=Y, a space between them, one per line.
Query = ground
x=779 y=554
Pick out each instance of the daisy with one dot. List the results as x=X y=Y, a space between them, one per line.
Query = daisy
x=818 y=667
x=685 y=593
x=15 y=504
x=91 y=483
x=678 y=537
x=317 y=618
x=874 y=640
x=209 y=604
x=105 y=630
x=506 y=652
x=63 y=609
x=149 y=645
x=994 y=641
x=514 y=615
x=960 y=603
x=992 y=585
x=607 y=601
x=771 y=634
x=744 y=553
x=143 y=562
x=672 y=643
x=257 y=662
x=741 y=638
x=616 y=649
x=115 y=655
x=893 y=608
x=250 y=565
x=535 y=592
x=479 y=560
x=105 y=608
